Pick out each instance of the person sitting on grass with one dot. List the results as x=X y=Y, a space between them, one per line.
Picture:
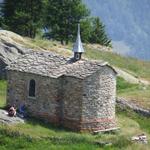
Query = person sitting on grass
x=12 y=111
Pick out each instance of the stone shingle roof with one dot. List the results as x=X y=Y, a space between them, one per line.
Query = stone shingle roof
x=53 y=65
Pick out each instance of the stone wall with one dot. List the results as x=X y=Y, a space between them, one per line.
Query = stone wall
x=79 y=104
x=45 y=105
x=57 y=100
x=98 y=108
x=72 y=102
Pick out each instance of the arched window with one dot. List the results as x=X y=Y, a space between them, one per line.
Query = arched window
x=32 y=88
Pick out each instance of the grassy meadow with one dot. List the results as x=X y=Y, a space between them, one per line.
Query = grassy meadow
x=36 y=135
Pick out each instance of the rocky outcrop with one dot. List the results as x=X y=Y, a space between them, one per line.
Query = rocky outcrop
x=5 y=119
x=10 y=49
x=123 y=104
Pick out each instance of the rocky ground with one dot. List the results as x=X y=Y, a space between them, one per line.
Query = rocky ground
x=125 y=104
x=5 y=119
x=10 y=49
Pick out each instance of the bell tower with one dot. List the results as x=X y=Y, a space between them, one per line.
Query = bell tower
x=78 y=47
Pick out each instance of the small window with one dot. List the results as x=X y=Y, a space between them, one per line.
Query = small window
x=77 y=56
x=32 y=88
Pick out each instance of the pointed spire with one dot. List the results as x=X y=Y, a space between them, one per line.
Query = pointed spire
x=78 y=47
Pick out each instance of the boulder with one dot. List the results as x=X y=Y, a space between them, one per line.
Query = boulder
x=11 y=46
x=142 y=138
x=123 y=104
x=5 y=119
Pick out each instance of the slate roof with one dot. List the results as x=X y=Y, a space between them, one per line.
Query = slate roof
x=53 y=65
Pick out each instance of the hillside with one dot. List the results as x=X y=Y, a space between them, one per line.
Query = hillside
x=133 y=66
x=38 y=135
x=135 y=74
x=127 y=23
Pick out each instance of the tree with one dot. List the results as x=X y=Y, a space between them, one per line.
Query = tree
x=98 y=34
x=1 y=15
x=86 y=29
x=23 y=16
x=60 y=17
x=63 y=16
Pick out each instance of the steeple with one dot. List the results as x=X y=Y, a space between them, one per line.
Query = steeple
x=78 y=47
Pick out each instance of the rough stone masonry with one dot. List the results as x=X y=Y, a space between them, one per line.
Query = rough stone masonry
x=78 y=95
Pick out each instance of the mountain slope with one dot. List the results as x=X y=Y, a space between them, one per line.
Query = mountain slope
x=11 y=46
x=126 y=22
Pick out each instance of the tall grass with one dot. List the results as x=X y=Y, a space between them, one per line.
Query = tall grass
x=124 y=86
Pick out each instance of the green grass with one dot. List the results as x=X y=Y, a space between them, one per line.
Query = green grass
x=3 y=87
x=138 y=94
x=124 y=86
x=34 y=135
x=134 y=66
x=143 y=122
x=13 y=142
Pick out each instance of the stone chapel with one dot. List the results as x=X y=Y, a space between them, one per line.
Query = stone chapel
x=73 y=92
